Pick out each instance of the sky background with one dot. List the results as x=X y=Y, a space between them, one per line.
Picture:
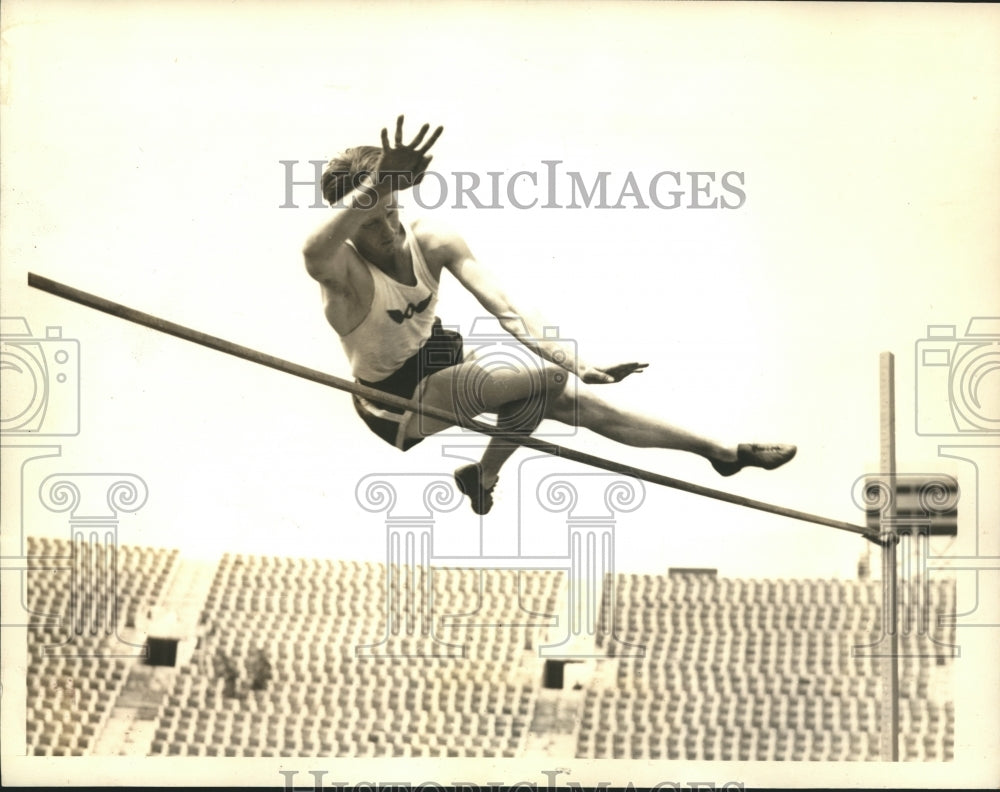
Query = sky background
x=142 y=163
x=141 y=149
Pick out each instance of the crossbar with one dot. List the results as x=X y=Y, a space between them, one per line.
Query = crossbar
x=380 y=397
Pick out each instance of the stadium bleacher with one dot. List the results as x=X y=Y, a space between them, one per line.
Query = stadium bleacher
x=733 y=669
x=77 y=660
x=763 y=670
x=309 y=617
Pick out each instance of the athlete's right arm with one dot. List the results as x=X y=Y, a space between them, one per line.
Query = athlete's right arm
x=321 y=247
x=400 y=166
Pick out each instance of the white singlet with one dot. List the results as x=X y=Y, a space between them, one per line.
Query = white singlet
x=399 y=320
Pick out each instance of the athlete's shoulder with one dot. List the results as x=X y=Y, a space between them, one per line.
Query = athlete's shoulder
x=344 y=271
x=439 y=241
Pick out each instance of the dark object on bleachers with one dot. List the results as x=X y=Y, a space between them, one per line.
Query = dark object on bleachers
x=161 y=651
x=225 y=669
x=553 y=677
x=259 y=670
x=693 y=571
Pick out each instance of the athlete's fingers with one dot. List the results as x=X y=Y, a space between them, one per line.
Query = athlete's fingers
x=420 y=136
x=385 y=139
x=430 y=140
x=399 y=131
x=623 y=370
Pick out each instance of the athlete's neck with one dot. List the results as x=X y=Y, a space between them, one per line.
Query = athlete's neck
x=395 y=260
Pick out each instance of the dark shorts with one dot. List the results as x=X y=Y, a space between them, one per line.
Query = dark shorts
x=442 y=350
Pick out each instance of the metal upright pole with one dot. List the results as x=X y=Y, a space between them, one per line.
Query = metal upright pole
x=889 y=539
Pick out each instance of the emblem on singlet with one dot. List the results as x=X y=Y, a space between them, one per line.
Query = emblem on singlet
x=401 y=316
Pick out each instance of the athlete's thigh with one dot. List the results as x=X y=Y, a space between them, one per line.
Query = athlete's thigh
x=470 y=389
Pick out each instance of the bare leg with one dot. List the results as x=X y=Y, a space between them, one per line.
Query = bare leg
x=588 y=410
x=520 y=417
x=519 y=398
x=465 y=389
x=522 y=398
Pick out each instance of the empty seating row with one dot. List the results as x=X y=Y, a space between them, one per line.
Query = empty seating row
x=309 y=619
x=769 y=745
x=81 y=595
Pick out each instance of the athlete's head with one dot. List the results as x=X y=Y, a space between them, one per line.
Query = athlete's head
x=381 y=230
x=345 y=171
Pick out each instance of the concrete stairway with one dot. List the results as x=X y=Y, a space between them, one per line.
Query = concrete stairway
x=131 y=727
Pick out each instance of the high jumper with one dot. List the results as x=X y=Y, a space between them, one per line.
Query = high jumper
x=380 y=279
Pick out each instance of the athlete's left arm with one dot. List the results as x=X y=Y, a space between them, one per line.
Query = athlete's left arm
x=451 y=252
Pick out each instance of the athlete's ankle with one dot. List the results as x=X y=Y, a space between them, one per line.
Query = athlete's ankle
x=723 y=454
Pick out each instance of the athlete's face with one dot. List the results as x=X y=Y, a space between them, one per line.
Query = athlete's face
x=381 y=230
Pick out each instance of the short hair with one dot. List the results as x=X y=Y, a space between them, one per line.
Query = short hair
x=345 y=171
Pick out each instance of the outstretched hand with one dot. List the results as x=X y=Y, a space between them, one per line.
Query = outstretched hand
x=404 y=165
x=599 y=375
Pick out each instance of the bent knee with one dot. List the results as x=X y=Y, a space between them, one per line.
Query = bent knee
x=492 y=389
x=555 y=380
x=563 y=396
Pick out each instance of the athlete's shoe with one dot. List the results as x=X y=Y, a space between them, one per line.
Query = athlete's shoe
x=469 y=479
x=759 y=455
